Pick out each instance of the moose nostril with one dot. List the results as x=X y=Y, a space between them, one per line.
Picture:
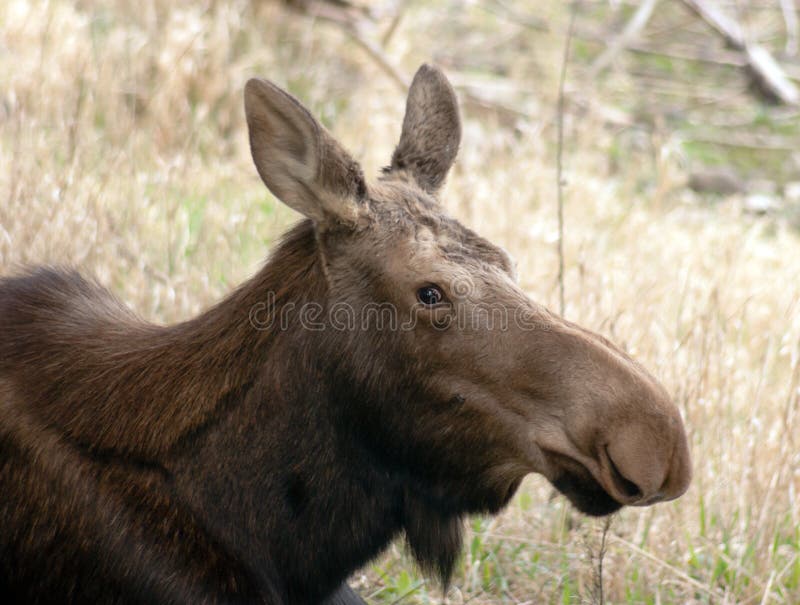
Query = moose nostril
x=622 y=483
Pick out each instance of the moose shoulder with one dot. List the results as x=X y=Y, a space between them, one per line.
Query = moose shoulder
x=361 y=386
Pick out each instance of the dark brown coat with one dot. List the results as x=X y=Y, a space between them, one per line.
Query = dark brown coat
x=383 y=374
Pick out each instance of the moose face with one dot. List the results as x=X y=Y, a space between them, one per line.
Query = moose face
x=452 y=373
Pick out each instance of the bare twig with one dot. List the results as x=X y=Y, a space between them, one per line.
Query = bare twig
x=502 y=9
x=685 y=52
x=476 y=101
x=761 y=143
x=393 y=25
x=720 y=57
x=710 y=590
x=792 y=26
x=599 y=592
x=376 y=54
x=560 y=157
x=632 y=29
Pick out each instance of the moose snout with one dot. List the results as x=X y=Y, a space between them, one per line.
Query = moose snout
x=618 y=438
x=644 y=463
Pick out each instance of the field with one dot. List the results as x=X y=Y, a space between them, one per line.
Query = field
x=123 y=151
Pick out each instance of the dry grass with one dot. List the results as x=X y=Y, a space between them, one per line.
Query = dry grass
x=123 y=151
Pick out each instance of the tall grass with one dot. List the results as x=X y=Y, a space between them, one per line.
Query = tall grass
x=123 y=151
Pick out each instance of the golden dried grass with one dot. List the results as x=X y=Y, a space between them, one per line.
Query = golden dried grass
x=123 y=152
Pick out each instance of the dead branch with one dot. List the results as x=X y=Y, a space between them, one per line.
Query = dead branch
x=629 y=33
x=375 y=52
x=767 y=72
x=770 y=76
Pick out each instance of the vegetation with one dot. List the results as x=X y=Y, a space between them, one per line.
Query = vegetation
x=123 y=151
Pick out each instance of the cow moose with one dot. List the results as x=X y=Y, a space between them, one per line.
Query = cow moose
x=264 y=450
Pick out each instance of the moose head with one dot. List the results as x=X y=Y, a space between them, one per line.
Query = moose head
x=440 y=365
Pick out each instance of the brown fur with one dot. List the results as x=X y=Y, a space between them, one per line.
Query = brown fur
x=247 y=455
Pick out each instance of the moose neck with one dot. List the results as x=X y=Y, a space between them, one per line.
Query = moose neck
x=277 y=471
x=183 y=375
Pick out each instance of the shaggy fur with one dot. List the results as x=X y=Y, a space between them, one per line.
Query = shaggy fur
x=246 y=456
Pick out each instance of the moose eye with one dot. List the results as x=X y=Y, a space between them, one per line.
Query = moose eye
x=430 y=295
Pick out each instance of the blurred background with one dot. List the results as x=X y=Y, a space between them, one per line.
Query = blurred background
x=123 y=151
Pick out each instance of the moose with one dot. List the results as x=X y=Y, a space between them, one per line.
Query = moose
x=234 y=458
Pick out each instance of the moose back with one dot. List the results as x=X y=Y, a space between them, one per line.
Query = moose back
x=382 y=375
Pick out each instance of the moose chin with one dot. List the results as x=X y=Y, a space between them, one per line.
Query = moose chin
x=262 y=453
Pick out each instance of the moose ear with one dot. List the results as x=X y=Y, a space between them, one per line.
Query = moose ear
x=431 y=130
x=298 y=160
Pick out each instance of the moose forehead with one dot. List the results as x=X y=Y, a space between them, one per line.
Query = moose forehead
x=405 y=211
